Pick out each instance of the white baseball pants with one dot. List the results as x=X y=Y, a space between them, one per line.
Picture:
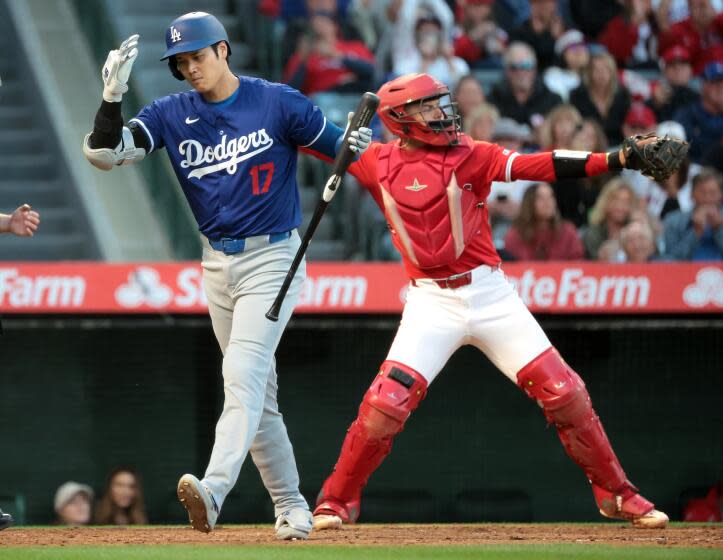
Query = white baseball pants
x=240 y=289
x=488 y=314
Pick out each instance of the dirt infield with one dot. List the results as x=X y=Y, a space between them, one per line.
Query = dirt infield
x=707 y=536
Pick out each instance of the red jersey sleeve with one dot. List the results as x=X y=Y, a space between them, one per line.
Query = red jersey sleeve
x=365 y=170
x=491 y=161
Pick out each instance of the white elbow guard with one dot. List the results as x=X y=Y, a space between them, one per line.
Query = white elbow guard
x=124 y=153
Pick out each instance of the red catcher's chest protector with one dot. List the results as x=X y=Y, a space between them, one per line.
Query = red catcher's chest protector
x=433 y=212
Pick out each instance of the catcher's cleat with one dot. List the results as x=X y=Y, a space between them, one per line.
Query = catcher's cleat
x=294 y=524
x=324 y=521
x=199 y=502
x=5 y=520
x=632 y=507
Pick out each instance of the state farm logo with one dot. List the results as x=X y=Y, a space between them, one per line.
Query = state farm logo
x=708 y=288
x=51 y=291
x=334 y=291
x=577 y=289
x=144 y=287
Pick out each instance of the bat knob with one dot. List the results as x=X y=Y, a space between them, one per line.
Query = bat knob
x=272 y=315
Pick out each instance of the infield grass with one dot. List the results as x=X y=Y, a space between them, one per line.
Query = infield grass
x=297 y=551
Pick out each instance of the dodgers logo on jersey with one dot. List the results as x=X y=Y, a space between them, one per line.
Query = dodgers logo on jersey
x=175 y=35
x=227 y=153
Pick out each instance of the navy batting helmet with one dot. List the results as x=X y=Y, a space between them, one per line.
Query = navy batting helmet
x=192 y=32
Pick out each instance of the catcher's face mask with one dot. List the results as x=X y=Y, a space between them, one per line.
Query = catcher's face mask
x=436 y=115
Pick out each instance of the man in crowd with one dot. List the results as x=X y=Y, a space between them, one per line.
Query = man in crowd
x=521 y=95
x=703 y=119
x=697 y=235
x=674 y=91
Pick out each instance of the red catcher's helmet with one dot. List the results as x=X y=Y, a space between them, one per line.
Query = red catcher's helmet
x=394 y=96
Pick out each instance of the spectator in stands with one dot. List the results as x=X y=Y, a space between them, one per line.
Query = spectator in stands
x=559 y=127
x=521 y=95
x=703 y=119
x=600 y=96
x=575 y=197
x=481 y=122
x=539 y=233
x=590 y=16
x=708 y=509
x=701 y=34
x=404 y=32
x=637 y=242
x=669 y=12
x=434 y=54
x=73 y=503
x=573 y=56
x=541 y=30
x=674 y=91
x=122 y=503
x=23 y=222
x=469 y=95
x=324 y=62
x=639 y=119
x=375 y=20
x=611 y=213
x=697 y=235
x=630 y=36
x=478 y=39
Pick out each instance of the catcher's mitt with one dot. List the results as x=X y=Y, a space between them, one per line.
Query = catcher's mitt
x=653 y=156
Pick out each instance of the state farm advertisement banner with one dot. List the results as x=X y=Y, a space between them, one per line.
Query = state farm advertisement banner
x=581 y=287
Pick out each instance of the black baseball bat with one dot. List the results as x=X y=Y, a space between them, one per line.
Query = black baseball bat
x=362 y=116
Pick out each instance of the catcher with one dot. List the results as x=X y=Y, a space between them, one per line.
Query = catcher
x=431 y=185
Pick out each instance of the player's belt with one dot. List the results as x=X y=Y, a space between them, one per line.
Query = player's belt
x=231 y=246
x=456 y=280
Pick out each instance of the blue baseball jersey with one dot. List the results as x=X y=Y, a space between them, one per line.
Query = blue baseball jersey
x=236 y=160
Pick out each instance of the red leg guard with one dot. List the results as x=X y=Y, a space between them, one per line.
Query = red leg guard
x=566 y=403
x=396 y=391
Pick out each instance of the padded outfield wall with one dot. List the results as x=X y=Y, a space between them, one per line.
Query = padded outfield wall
x=81 y=394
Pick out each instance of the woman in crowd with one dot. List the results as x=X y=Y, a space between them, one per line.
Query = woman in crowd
x=122 y=502
x=560 y=127
x=573 y=56
x=481 y=122
x=539 y=233
x=600 y=96
x=611 y=213
x=469 y=95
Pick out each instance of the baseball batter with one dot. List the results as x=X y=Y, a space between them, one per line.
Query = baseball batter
x=432 y=186
x=233 y=143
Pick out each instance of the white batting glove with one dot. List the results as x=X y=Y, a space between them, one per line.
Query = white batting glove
x=359 y=140
x=117 y=69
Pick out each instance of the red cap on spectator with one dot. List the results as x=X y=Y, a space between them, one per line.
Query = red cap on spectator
x=676 y=54
x=641 y=116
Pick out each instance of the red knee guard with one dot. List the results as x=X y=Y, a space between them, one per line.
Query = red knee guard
x=392 y=397
x=566 y=403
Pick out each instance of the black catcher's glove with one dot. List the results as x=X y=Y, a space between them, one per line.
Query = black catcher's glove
x=653 y=156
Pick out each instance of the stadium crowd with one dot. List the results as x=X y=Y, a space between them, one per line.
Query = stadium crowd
x=545 y=74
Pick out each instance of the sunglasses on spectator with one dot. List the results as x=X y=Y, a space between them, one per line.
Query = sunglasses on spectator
x=522 y=65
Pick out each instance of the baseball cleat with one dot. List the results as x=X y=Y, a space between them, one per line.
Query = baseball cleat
x=633 y=508
x=294 y=524
x=5 y=520
x=199 y=502
x=324 y=522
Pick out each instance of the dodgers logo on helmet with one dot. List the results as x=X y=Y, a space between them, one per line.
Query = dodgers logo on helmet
x=192 y=32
